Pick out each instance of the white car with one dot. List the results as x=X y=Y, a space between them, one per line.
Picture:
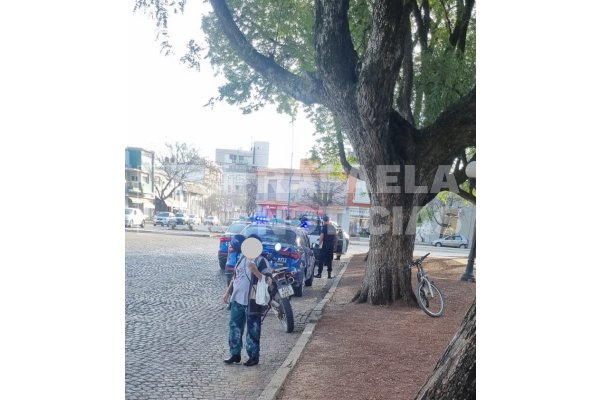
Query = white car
x=194 y=219
x=211 y=220
x=314 y=234
x=134 y=216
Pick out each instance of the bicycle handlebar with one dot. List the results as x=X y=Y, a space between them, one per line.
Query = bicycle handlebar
x=419 y=261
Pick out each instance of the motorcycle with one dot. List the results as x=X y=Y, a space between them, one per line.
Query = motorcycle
x=280 y=292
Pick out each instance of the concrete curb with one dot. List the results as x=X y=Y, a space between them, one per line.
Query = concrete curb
x=174 y=232
x=278 y=379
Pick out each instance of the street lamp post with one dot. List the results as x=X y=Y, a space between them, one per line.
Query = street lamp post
x=291 y=170
x=468 y=275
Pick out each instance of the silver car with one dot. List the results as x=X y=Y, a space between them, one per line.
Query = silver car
x=163 y=218
x=452 y=241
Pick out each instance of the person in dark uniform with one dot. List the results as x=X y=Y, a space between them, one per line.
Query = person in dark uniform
x=327 y=242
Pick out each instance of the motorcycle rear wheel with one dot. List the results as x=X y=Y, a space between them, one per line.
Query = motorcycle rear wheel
x=283 y=311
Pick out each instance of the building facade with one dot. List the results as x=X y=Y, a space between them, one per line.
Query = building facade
x=291 y=193
x=139 y=179
x=239 y=178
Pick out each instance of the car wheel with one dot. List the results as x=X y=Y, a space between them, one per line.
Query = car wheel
x=438 y=244
x=222 y=263
x=463 y=246
x=309 y=281
x=298 y=290
x=142 y=224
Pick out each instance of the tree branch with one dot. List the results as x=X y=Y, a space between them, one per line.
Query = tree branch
x=407 y=79
x=381 y=64
x=305 y=89
x=467 y=195
x=459 y=35
x=423 y=22
x=341 y=151
x=335 y=56
x=454 y=130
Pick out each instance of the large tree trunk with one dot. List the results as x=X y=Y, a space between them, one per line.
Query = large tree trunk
x=454 y=375
x=391 y=249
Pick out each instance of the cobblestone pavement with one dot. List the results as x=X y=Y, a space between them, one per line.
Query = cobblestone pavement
x=176 y=323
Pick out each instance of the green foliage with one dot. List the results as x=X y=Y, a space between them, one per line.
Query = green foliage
x=443 y=74
x=281 y=30
x=325 y=150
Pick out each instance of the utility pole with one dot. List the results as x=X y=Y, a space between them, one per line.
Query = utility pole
x=290 y=178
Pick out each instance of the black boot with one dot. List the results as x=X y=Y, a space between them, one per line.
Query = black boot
x=233 y=359
x=251 y=362
x=318 y=275
x=329 y=275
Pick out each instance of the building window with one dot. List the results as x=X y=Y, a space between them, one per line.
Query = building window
x=272 y=189
x=134 y=178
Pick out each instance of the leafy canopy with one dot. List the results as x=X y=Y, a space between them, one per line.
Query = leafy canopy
x=441 y=68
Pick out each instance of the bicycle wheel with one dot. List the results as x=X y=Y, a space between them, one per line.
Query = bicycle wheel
x=430 y=300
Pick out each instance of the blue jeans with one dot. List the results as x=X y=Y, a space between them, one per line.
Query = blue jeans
x=238 y=318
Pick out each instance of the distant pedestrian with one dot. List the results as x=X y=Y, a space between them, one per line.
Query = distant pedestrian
x=327 y=242
x=244 y=311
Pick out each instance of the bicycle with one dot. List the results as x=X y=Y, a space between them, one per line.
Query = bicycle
x=429 y=297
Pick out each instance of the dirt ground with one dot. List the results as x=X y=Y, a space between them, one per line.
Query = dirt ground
x=359 y=351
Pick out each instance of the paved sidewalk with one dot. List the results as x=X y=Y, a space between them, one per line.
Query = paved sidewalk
x=360 y=351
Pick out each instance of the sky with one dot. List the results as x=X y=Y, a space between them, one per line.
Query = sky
x=165 y=101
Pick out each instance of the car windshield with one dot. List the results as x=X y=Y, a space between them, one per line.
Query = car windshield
x=128 y=211
x=236 y=228
x=272 y=234
x=163 y=214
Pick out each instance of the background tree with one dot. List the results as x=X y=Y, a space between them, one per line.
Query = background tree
x=177 y=163
x=251 y=190
x=442 y=210
x=324 y=190
x=215 y=205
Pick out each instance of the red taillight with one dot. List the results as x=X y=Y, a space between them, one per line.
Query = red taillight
x=223 y=239
x=290 y=253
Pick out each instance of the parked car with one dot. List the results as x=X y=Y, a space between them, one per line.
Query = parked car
x=452 y=241
x=314 y=233
x=134 y=216
x=225 y=239
x=211 y=220
x=295 y=253
x=163 y=218
x=181 y=218
x=194 y=219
